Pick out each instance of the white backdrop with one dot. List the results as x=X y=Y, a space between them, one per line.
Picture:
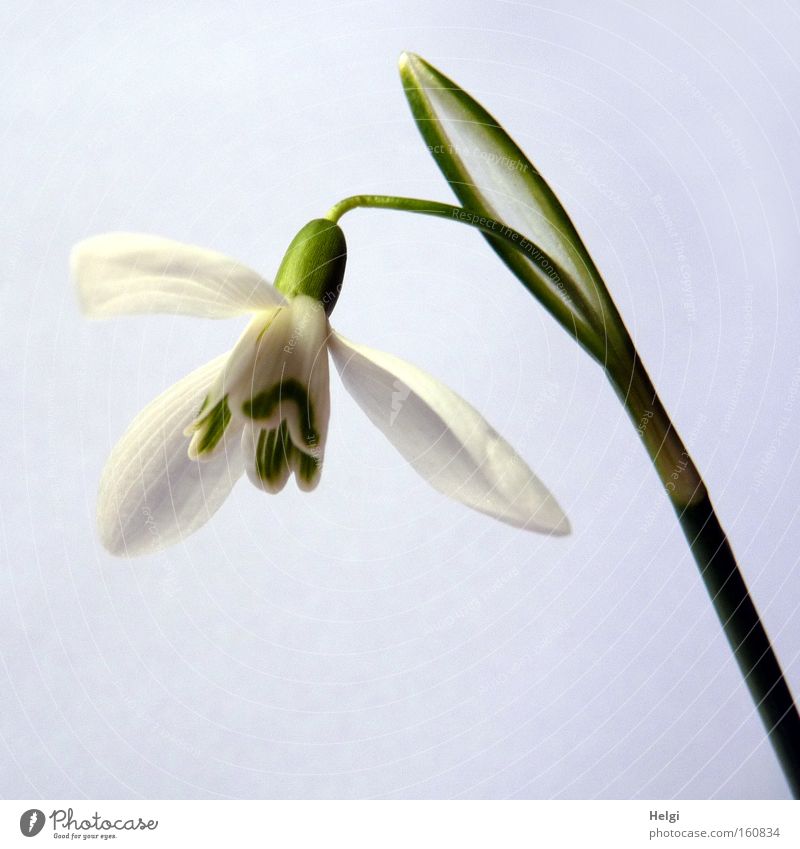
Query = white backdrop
x=373 y=639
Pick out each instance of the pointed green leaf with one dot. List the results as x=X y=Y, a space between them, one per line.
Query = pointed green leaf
x=492 y=176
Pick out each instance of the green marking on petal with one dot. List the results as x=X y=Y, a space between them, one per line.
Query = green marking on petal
x=307 y=466
x=260 y=455
x=205 y=403
x=278 y=452
x=277 y=455
x=264 y=404
x=213 y=425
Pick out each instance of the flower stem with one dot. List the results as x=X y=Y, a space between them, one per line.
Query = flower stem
x=718 y=568
x=574 y=313
x=676 y=469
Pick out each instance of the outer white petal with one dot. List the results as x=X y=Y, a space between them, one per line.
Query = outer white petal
x=126 y=273
x=151 y=494
x=445 y=439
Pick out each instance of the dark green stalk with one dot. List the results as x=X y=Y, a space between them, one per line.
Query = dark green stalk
x=718 y=568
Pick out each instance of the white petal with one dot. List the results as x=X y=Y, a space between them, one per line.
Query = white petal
x=151 y=494
x=445 y=439
x=126 y=273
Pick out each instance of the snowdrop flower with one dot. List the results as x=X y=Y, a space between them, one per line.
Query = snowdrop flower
x=264 y=407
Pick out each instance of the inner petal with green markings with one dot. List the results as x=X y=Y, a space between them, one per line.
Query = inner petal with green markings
x=275 y=385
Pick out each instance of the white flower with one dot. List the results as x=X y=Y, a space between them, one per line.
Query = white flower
x=264 y=407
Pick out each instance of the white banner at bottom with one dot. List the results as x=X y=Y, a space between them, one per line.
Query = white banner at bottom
x=401 y=824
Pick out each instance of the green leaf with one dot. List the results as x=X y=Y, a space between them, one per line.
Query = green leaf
x=492 y=176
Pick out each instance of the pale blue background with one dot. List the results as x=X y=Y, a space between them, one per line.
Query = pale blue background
x=374 y=639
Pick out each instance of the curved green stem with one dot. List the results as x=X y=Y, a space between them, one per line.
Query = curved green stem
x=576 y=318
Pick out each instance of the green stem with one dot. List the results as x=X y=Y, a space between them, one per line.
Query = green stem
x=576 y=318
x=718 y=568
x=676 y=469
